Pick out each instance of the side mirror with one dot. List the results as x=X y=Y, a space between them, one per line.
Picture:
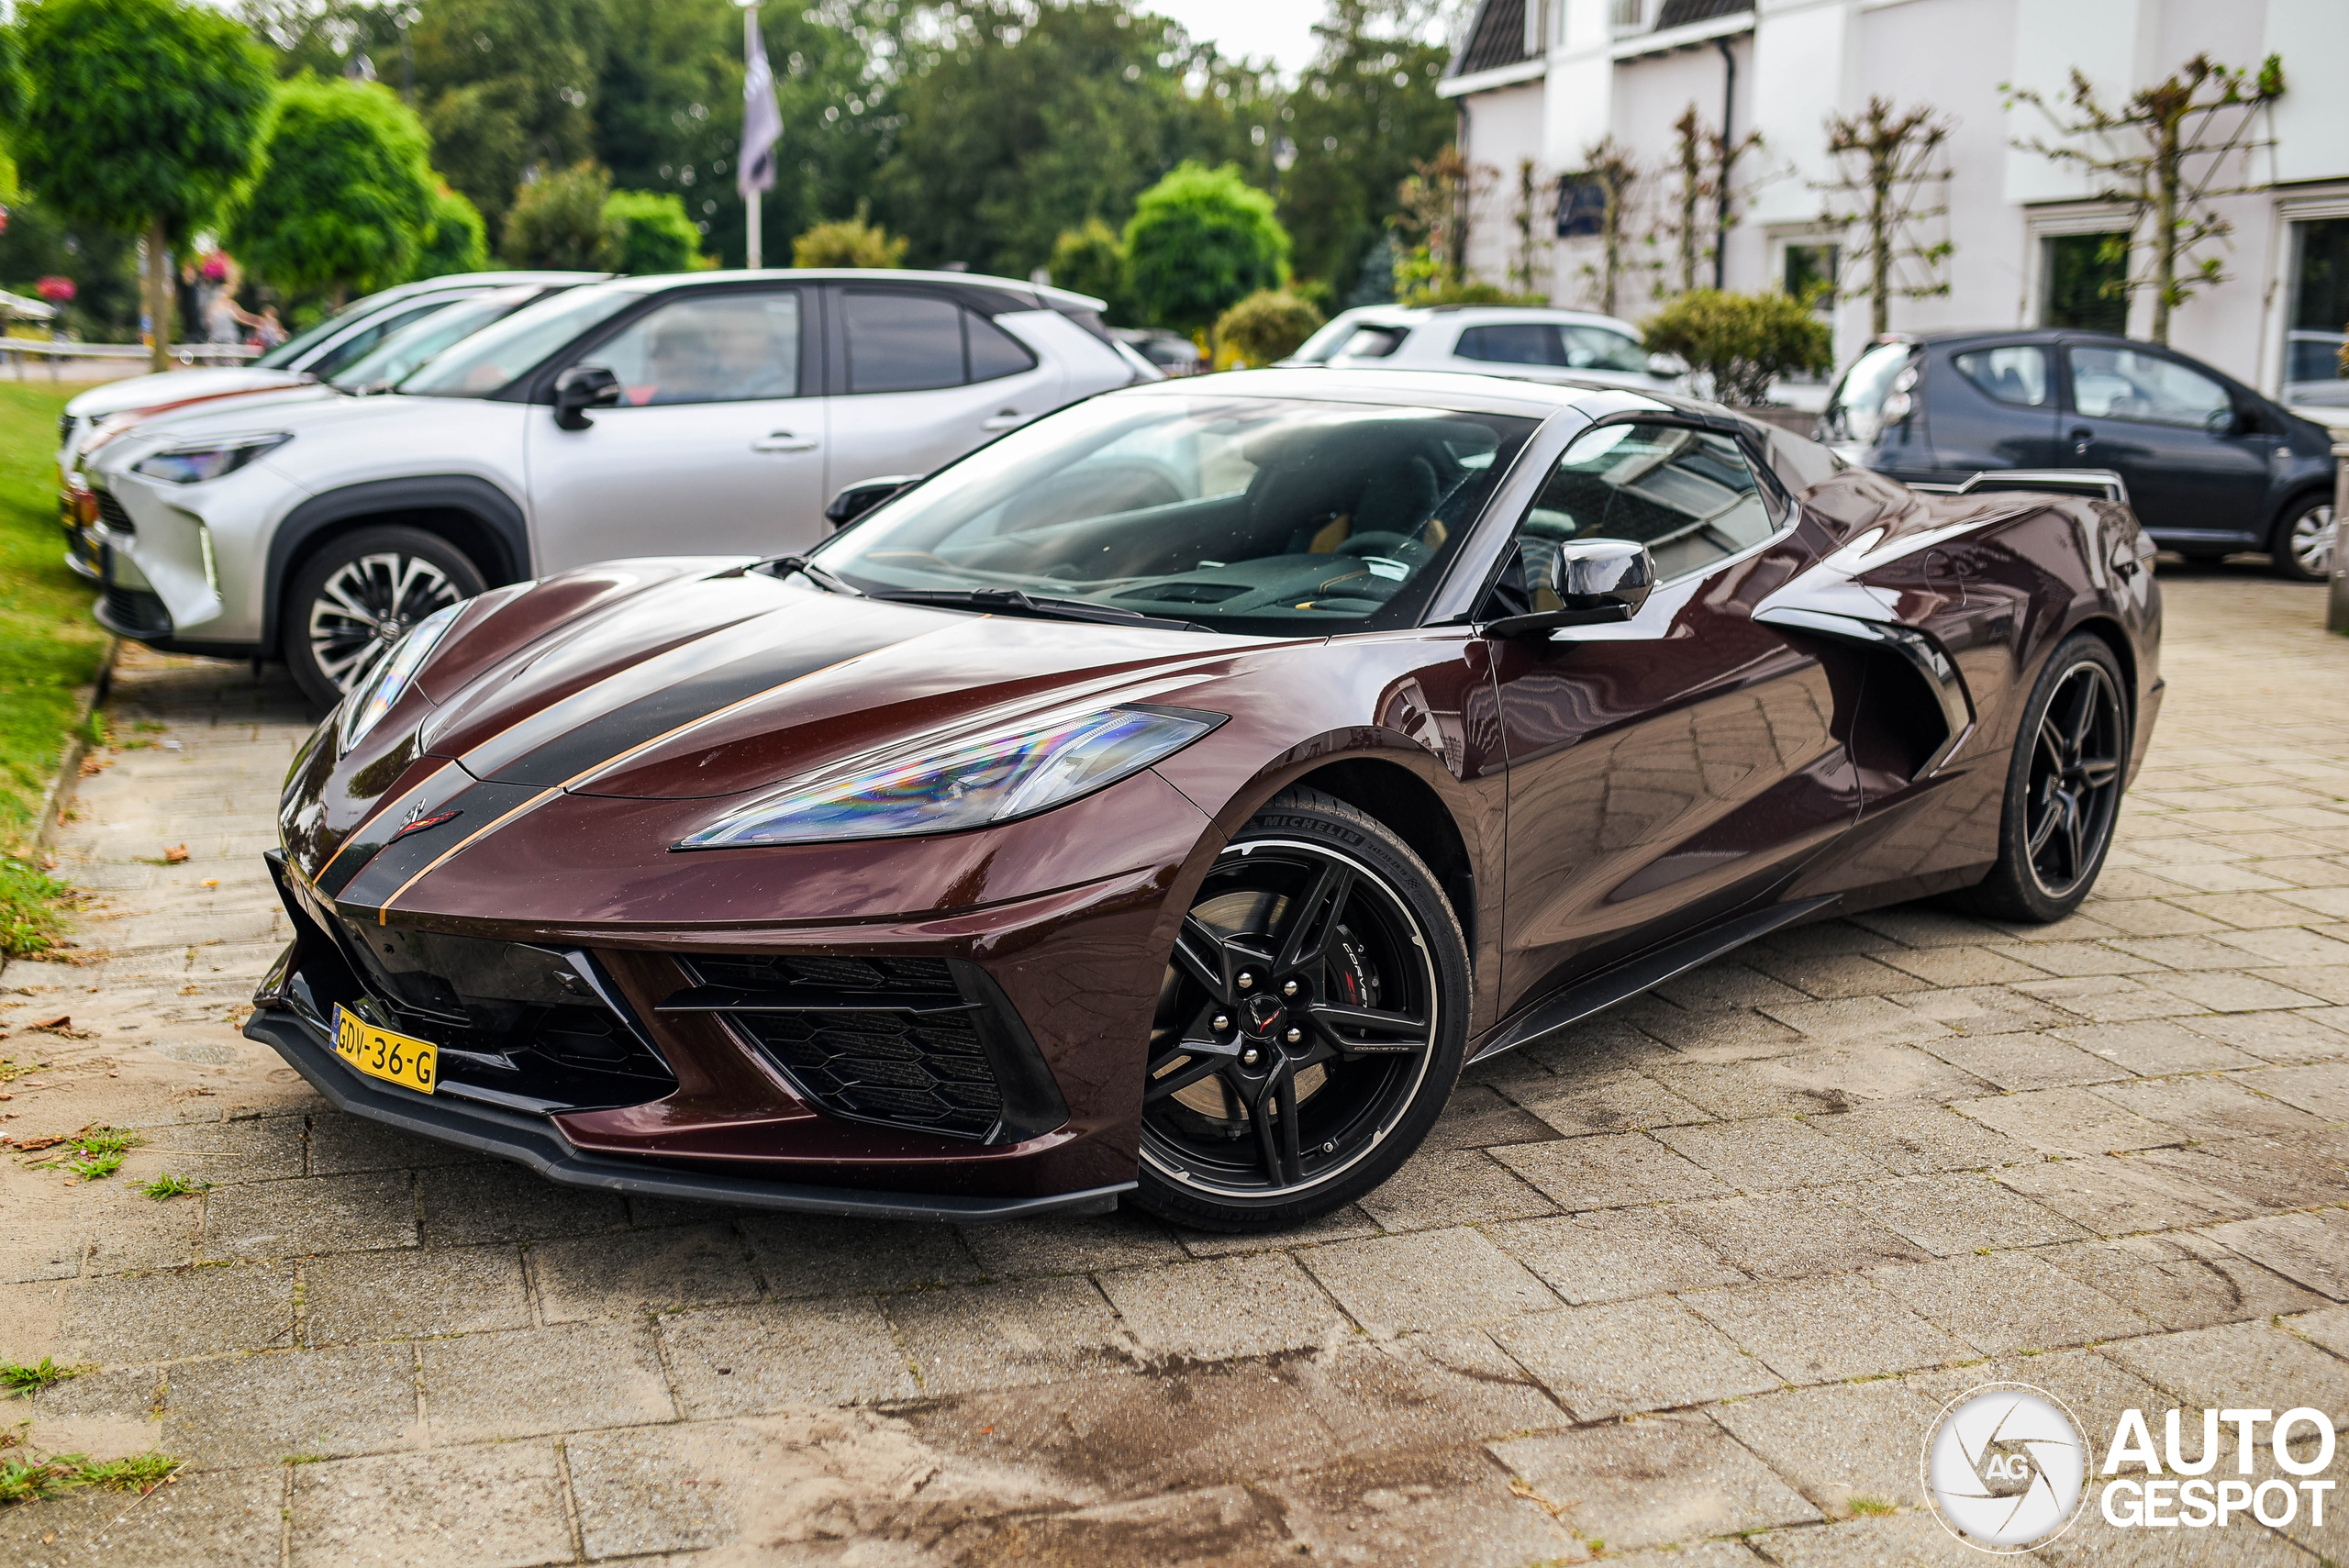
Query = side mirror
x=1667 y=366
x=861 y=497
x=583 y=387
x=1599 y=580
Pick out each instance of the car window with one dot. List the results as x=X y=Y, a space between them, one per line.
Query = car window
x=902 y=342
x=1686 y=495
x=1855 y=411
x=995 y=353
x=1515 y=343
x=365 y=339
x=1373 y=342
x=1597 y=348
x=400 y=352
x=708 y=348
x=2124 y=383
x=2016 y=373
x=493 y=357
x=286 y=354
x=1285 y=516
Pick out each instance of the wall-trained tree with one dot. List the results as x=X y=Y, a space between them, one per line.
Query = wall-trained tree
x=141 y=116
x=345 y=196
x=1200 y=241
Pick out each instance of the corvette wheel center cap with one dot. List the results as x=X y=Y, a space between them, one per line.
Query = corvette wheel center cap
x=1262 y=1015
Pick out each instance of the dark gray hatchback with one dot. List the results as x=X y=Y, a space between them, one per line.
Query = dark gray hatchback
x=2211 y=466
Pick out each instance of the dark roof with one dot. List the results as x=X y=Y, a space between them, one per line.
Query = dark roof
x=1495 y=38
x=1680 y=13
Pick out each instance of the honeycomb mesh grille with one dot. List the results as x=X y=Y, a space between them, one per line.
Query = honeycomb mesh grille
x=922 y=1065
x=113 y=514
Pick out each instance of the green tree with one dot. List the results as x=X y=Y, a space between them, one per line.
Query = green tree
x=852 y=242
x=560 y=222
x=1268 y=325
x=656 y=234
x=1200 y=241
x=1020 y=122
x=1092 y=260
x=344 y=196
x=454 y=239
x=1741 y=342
x=504 y=86
x=1363 y=113
x=142 y=117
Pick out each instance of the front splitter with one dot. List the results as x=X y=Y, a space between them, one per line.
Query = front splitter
x=538 y=1143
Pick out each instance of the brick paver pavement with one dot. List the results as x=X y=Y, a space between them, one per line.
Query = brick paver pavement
x=1695 y=1277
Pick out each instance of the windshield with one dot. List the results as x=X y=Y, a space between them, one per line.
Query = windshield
x=396 y=356
x=1285 y=516
x=310 y=338
x=1856 y=411
x=493 y=359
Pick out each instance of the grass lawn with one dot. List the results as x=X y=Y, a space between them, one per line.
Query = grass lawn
x=49 y=646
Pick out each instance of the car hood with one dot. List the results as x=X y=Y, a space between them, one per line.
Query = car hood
x=143 y=391
x=669 y=680
x=301 y=408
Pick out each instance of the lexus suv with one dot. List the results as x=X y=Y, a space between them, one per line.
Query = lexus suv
x=2211 y=466
x=1531 y=342
x=707 y=412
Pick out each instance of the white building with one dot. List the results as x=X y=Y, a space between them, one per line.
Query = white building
x=1546 y=79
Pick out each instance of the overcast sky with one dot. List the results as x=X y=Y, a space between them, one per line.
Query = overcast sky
x=1251 y=29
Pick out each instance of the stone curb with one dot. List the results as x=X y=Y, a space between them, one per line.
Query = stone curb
x=59 y=793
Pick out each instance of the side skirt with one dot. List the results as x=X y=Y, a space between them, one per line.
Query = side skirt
x=1599 y=992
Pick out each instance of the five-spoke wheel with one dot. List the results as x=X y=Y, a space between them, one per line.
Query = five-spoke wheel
x=1309 y=1024
x=2064 y=785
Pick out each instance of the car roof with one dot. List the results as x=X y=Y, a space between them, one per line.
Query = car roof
x=1480 y=316
x=979 y=289
x=1465 y=391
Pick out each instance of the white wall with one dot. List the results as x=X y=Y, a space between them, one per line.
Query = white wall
x=1806 y=58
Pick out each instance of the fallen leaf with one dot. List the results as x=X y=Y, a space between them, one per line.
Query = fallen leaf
x=175 y=855
x=210 y=881
x=62 y=1022
x=27 y=1145
x=95 y=763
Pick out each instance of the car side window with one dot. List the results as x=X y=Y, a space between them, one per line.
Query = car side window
x=2124 y=383
x=1513 y=343
x=348 y=350
x=995 y=353
x=2016 y=373
x=1374 y=342
x=1595 y=348
x=901 y=343
x=716 y=348
x=1688 y=495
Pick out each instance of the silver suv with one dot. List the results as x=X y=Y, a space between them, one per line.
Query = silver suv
x=708 y=412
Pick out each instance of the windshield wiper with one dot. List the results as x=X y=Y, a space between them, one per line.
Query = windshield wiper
x=1018 y=603
x=822 y=577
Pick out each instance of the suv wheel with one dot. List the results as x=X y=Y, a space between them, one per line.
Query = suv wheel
x=2303 y=549
x=358 y=596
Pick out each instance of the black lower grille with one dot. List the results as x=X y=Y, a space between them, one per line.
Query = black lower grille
x=915 y=1042
x=111 y=513
x=134 y=611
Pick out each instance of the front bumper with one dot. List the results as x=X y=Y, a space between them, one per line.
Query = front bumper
x=536 y=1141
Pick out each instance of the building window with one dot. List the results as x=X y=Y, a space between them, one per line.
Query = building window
x=1582 y=207
x=1812 y=269
x=2083 y=281
x=2320 y=313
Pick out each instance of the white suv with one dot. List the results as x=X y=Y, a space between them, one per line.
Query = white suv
x=712 y=411
x=1529 y=341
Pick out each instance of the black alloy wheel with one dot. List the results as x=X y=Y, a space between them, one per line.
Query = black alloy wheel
x=2063 y=786
x=1309 y=1025
x=355 y=600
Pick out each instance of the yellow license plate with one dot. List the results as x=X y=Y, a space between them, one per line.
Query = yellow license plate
x=399 y=1059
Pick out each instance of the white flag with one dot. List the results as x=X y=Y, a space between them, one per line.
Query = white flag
x=761 y=122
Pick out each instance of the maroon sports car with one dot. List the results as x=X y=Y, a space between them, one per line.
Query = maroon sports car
x=1168 y=799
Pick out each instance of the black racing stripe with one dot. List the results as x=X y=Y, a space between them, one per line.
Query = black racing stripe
x=380 y=861
x=599 y=739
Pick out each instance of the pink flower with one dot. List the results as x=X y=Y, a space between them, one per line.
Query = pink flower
x=54 y=289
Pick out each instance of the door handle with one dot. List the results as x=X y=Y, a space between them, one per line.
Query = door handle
x=2081 y=436
x=783 y=441
x=1005 y=419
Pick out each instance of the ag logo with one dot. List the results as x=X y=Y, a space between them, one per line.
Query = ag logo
x=2005 y=1467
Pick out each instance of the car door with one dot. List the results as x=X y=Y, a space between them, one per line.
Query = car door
x=713 y=447
x=1666 y=770
x=1992 y=405
x=2174 y=433
x=919 y=379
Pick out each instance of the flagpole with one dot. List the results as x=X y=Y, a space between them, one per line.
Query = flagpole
x=751 y=197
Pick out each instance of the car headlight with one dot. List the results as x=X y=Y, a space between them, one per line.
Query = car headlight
x=364 y=705
x=191 y=463
x=989 y=779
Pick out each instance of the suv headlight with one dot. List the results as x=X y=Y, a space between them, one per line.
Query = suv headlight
x=192 y=463
x=991 y=778
x=364 y=705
